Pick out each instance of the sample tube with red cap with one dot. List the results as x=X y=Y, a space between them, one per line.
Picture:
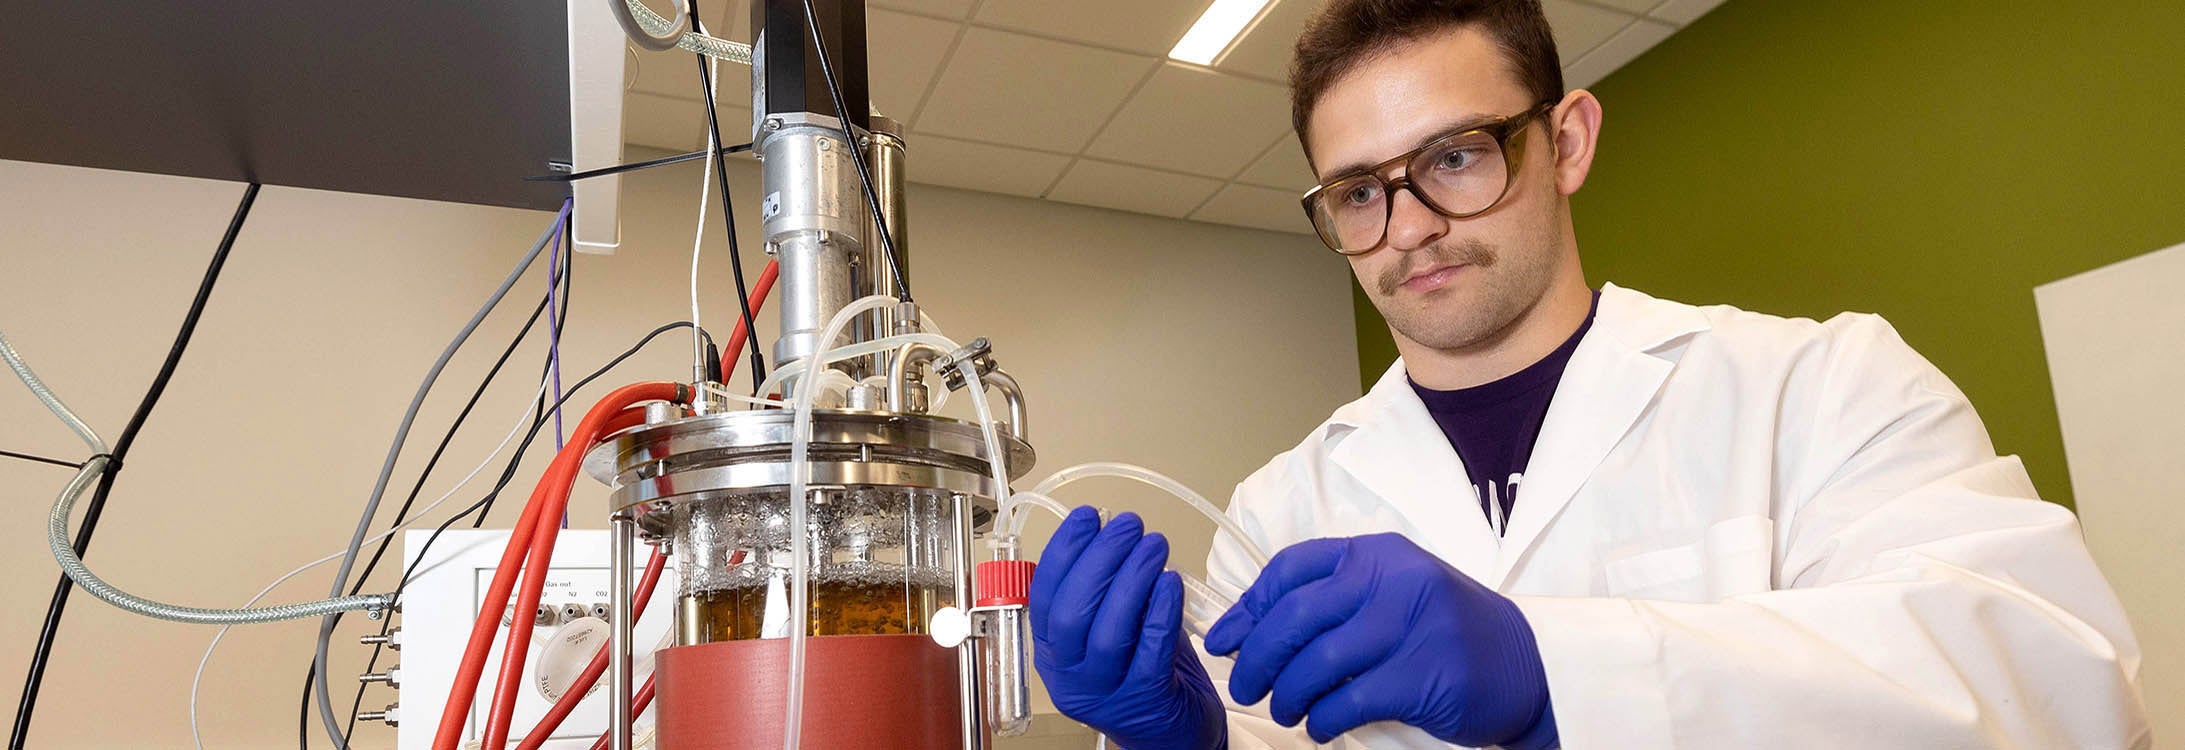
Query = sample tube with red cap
x=1004 y=588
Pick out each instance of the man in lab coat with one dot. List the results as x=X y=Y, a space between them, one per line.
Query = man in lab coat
x=1578 y=517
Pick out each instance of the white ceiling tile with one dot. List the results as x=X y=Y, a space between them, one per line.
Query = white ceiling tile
x=957 y=9
x=1683 y=11
x=1016 y=90
x=1128 y=188
x=1283 y=167
x=1258 y=207
x=1626 y=46
x=976 y=166
x=904 y=54
x=727 y=19
x=735 y=126
x=1634 y=6
x=1145 y=26
x=1579 y=28
x=1195 y=120
x=665 y=73
x=665 y=122
x=1265 y=49
x=676 y=76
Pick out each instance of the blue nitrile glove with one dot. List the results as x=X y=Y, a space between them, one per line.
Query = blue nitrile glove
x=1373 y=628
x=1108 y=638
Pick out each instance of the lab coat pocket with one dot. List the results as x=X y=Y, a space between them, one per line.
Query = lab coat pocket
x=1731 y=557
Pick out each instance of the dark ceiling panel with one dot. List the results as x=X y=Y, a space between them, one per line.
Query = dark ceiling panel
x=454 y=101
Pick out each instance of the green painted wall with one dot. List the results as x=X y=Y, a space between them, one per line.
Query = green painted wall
x=1930 y=161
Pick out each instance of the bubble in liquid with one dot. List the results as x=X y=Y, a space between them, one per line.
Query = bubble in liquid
x=881 y=562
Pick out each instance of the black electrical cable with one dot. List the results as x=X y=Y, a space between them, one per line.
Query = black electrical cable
x=303 y=716
x=54 y=609
x=41 y=459
x=510 y=472
x=857 y=155
x=555 y=303
x=303 y=712
x=637 y=165
x=728 y=203
x=484 y=505
x=402 y=514
x=559 y=300
x=566 y=254
x=323 y=643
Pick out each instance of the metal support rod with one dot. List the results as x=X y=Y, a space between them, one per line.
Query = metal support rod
x=619 y=720
x=884 y=153
x=967 y=653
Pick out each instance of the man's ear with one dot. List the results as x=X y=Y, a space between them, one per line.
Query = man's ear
x=1576 y=127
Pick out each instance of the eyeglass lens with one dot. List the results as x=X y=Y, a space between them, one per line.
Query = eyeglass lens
x=1461 y=175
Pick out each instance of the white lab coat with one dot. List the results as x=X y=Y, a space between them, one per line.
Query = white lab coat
x=1741 y=531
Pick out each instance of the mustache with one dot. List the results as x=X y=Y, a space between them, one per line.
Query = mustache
x=1451 y=253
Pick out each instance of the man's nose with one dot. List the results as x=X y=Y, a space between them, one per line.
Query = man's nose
x=1411 y=224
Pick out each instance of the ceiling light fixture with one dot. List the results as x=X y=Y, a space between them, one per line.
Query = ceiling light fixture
x=1216 y=30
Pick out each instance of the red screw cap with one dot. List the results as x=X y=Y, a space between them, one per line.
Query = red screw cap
x=1004 y=583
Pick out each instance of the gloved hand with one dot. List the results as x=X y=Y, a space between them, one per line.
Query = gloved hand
x=1373 y=628
x=1108 y=638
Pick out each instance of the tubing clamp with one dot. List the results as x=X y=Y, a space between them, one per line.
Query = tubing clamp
x=979 y=352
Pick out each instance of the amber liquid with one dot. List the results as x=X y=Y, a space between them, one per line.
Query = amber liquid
x=852 y=607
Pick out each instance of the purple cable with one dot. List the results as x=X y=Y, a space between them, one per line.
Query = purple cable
x=553 y=325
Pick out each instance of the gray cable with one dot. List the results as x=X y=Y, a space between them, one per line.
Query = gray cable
x=65 y=553
x=657 y=41
x=52 y=402
x=651 y=26
x=387 y=467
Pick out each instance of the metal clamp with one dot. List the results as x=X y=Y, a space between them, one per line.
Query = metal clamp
x=979 y=352
x=951 y=626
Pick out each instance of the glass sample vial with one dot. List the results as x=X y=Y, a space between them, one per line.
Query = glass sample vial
x=1003 y=588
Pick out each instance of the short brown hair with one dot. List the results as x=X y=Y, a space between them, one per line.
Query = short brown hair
x=1348 y=32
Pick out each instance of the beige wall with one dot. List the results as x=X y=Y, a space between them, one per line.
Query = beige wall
x=1195 y=349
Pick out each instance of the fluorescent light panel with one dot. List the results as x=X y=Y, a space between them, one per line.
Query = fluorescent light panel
x=1216 y=30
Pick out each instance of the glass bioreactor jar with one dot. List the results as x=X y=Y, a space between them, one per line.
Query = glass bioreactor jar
x=894 y=499
x=881 y=561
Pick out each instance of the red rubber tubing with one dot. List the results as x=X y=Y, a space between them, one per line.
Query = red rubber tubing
x=559 y=477
x=736 y=338
x=652 y=571
x=457 y=708
x=560 y=712
x=522 y=543
x=644 y=694
x=568 y=701
x=627 y=419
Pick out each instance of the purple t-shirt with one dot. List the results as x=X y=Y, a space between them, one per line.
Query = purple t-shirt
x=1493 y=426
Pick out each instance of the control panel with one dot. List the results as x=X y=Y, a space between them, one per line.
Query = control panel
x=442 y=601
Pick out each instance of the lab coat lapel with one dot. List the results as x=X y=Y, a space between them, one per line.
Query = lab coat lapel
x=1398 y=452
x=1611 y=380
